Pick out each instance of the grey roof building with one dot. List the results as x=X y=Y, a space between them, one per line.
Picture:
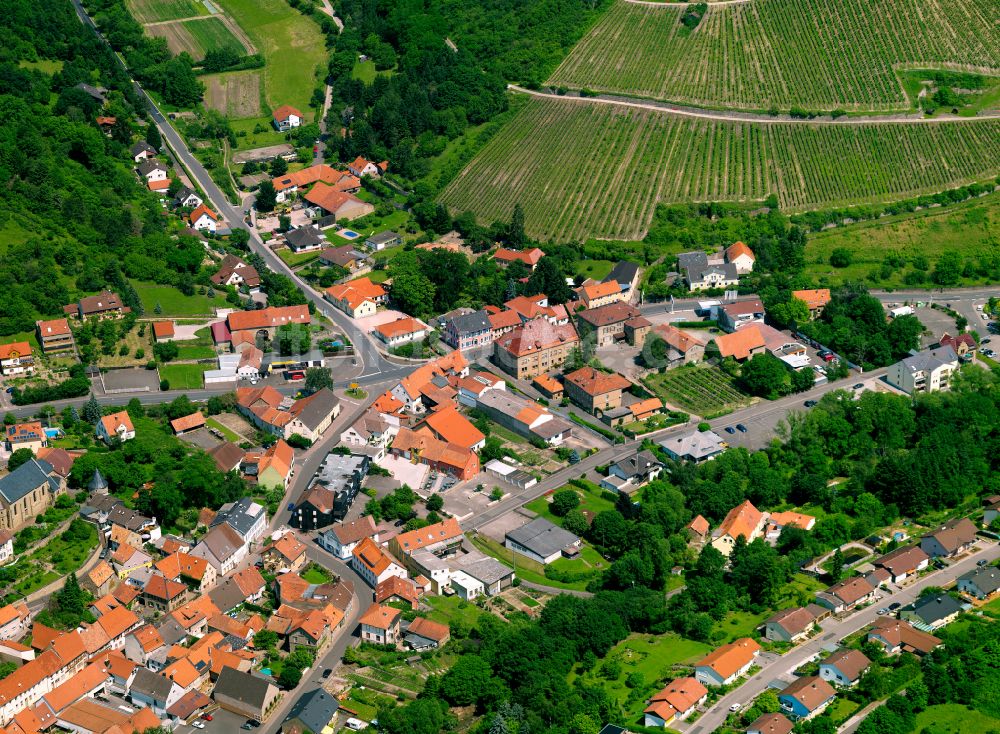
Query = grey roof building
x=243 y=516
x=933 y=611
x=244 y=693
x=981 y=583
x=625 y=273
x=695 y=446
x=471 y=323
x=98 y=484
x=314 y=711
x=541 y=540
x=304 y=237
x=148 y=166
x=317 y=408
x=227 y=596
x=28 y=477
x=152 y=685
x=141 y=146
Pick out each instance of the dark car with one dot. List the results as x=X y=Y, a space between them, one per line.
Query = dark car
x=810 y=403
x=982 y=563
x=741 y=428
x=251 y=724
x=326 y=673
x=984 y=341
x=291 y=506
x=730 y=429
x=859 y=385
x=894 y=606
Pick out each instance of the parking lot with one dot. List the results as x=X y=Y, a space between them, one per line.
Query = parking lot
x=223 y=722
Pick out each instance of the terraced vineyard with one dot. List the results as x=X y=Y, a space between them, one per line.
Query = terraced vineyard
x=582 y=169
x=815 y=54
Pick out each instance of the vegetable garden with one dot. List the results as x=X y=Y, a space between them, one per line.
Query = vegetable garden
x=815 y=54
x=583 y=169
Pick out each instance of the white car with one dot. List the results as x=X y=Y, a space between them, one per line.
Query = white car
x=198 y=724
x=736 y=707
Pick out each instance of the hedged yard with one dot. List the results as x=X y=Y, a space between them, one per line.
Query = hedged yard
x=819 y=55
x=581 y=169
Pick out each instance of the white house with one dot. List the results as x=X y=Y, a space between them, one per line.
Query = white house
x=364 y=167
x=343 y=538
x=153 y=170
x=465 y=586
x=117 y=425
x=286 y=117
x=142 y=151
x=725 y=664
x=926 y=371
x=373 y=564
x=845 y=667
x=402 y=330
x=204 y=219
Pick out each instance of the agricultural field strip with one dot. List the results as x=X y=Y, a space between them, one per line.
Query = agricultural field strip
x=153 y=11
x=811 y=53
x=558 y=158
x=199 y=35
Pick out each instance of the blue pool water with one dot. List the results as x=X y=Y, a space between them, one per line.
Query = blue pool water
x=53 y=432
x=348 y=233
x=265 y=671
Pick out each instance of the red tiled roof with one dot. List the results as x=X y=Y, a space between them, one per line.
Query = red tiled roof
x=283 y=112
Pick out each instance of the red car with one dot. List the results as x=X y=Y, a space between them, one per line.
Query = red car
x=206 y=717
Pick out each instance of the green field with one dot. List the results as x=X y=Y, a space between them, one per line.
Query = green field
x=154 y=11
x=174 y=303
x=953 y=718
x=364 y=70
x=592 y=502
x=596 y=269
x=816 y=54
x=705 y=391
x=184 y=376
x=291 y=43
x=582 y=168
x=212 y=33
x=194 y=351
x=968 y=228
x=46 y=66
x=230 y=435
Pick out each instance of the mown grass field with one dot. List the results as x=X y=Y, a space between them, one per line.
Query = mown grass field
x=583 y=169
x=154 y=11
x=817 y=54
x=953 y=718
x=968 y=228
x=174 y=303
x=184 y=376
x=291 y=43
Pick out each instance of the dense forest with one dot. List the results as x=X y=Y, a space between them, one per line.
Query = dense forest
x=73 y=217
x=450 y=60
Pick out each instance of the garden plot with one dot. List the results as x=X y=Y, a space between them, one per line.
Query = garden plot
x=704 y=391
x=235 y=94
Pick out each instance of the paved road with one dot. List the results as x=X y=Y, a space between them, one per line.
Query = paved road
x=833 y=632
x=370 y=357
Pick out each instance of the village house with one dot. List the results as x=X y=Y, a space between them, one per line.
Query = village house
x=233 y=271
x=223 y=547
x=903 y=563
x=896 y=636
x=845 y=667
x=595 y=391
x=331 y=491
x=364 y=167
x=246 y=517
x=530 y=258
x=289 y=184
x=951 y=539
x=271 y=468
x=792 y=625
x=744 y=521
x=636 y=331
x=373 y=564
x=741 y=345
x=185 y=198
x=30 y=435
x=682 y=346
x=197 y=573
x=403 y=330
x=696 y=446
x=846 y=595
x=153 y=172
x=345 y=257
x=187 y=423
x=314 y=711
x=727 y=663
x=815 y=300
x=286 y=117
x=982 y=583
x=116 y=426
x=529 y=308
x=441 y=456
x=204 y=219
x=337 y=203
x=697 y=529
x=16 y=359
x=605 y=324
x=676 y=702
x=380 y=625
x=806 y=697
x=6 y=547
x=447 y=424
x=271 y=411
x=162 y=595
x=926 y=371
x=305 y=239
x=264 y=322
x=626 y=275
x=357 y=298
x=245 y=694
x=425 y=634
x=741 y=256
x=382 y=240
x=141 y=150
x=771 y=724
x=542 y=541
x=932 y=611
x=15 y=621
x=600 y=294
x=468 y=331
x=54 y=335
x=734 y=316
x=534 y=348
x=963 y=344
x=286 y=554
x=343 y=538
x=103 y=305
x=628 y=474
x=502 y=322
x=699 y=274
x=524 y=416
x=163 y=331
x=374 y=430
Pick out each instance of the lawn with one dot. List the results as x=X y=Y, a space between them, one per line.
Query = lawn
x=596 y=269
x=705 y=391
x=953 y=718
x=174 y=303
x=655 y=657
x=315 y=576
x=364 y=70
x=968 y=228
x=184 y=376
x=46 y=66
x=446 y=609
x=256 y=132
x=530 y=570
x=65 y=555
x=292 y=259
x=378 y=276
x=292 y=45
x=194 y=351
x=842 y=709
x=740 y=624
x=230 y=435
x=592 y=502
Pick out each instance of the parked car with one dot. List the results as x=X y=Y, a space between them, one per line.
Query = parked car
x=810 y=403
x=730 y=429
x=326 y=673
x=859 y=385
x=982 y=563
x=206 y=717
x=736 y=707
x=291 y=506
x=741 y=428
x=198 y=724
x=883 y=610
x=894 y=606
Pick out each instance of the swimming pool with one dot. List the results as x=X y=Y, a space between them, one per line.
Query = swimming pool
x=53 y=432
x=348 y=234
